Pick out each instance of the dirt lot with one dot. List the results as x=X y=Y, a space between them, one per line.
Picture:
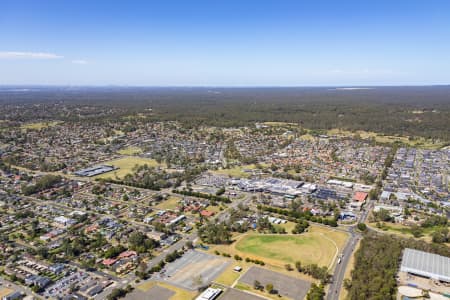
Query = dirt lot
x=285 y=285
x=156 y=292
x=233 y=294
x=194 y=269
x=4 y=292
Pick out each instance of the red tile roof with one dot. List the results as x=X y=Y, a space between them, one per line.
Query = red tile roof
x=127 y=254
x=360 y=196
x=109 y=261
x=207 y=213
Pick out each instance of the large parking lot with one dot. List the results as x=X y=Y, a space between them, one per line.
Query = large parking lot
x=193 y=269
x=285 y=285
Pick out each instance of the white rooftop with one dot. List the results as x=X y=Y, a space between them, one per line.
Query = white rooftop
x=426 y=264
x=209 y=294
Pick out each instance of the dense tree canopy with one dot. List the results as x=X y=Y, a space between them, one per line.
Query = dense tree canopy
x=215 y=233
x=413 y=111
x=377 y=263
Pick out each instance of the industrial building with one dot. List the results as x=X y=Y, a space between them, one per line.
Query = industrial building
x=426 y=264
x=93 y=171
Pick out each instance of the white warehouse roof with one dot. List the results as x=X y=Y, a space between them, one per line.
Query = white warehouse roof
x=426 y=264
x=209 y=294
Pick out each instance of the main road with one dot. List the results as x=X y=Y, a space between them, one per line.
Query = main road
x=339 y=271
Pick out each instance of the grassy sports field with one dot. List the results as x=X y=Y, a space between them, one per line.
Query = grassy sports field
x=309 y=248
x=125 y=165
x=319 y=245
x=130 y=151
x=39 y=125
x=238 y=171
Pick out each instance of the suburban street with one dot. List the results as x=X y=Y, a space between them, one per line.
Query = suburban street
x=334 y=287
x=131 y=277
x=192 y=236
x=11 y=285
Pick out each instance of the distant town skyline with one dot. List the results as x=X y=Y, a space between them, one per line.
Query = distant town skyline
x=224 y=43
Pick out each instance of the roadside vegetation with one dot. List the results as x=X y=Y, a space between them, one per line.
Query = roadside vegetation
x=377 y=262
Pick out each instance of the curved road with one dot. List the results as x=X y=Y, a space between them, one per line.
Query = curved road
x=339 y=271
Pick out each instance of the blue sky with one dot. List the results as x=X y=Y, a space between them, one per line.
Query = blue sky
x=225 y=43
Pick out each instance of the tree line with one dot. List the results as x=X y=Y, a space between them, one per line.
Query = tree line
x=211 y=197
x=299 y=215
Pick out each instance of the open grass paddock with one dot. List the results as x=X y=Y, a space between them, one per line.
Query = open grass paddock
x=39 y=125
x=307 y=248
x=319 y=245
x=125 y=165
x=130 y=151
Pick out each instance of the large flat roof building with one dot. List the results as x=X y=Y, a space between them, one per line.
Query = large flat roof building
x=209 y=294
x=93 y=171
x=426 y=265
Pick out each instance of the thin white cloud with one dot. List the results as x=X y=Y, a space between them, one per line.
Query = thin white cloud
x=361 y=71
x=28 y=55
x=335 y=71
x=80 y=62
